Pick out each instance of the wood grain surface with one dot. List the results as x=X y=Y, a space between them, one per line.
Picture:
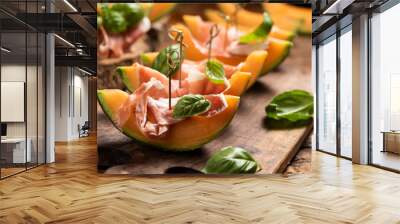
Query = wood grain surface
x=72 y=191
x=272 y=148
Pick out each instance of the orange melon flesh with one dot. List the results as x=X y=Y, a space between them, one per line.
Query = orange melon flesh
x=248 y=18
x=186 y=135
x=159 y=10
x=278 y=50
x=192 y=51
x=253 y=63
x=277 y=32
x=238 y=81
x=284 y=11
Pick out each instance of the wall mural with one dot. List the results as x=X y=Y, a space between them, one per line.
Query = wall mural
x=204 y=88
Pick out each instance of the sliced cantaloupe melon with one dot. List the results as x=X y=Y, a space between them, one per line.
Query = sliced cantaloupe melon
x=277 y=32
x=278 y=50
x=282 y=34
x=132 y=79
x=286 y=12
x=159 y=10
x=253 y=64
x=238 y=83
x=248 y=18
x=178 y=138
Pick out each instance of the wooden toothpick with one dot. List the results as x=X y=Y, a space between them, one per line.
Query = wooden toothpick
x=178 y=37
x=235 y=16
x=227 y=24
x=171 y=68
x=214 y=31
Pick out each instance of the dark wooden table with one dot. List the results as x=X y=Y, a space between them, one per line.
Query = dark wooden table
x=272 y=148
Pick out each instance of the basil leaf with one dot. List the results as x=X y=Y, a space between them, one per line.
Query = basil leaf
x=260 y=33
x=132 y=12
x=215 y=72
x=231 y=160
x=291 y=106
x=190 y=105
x=161 y=64
x=113 y=21
x=121 y=16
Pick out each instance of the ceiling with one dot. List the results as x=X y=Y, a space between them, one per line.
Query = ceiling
x=72 y=20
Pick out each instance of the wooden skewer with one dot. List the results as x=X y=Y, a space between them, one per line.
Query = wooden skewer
x=214 y=31
x=227 y=24
x=235 y=15
x=178 y=37
x=171 y=67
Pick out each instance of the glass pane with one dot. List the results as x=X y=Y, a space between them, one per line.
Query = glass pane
x=346 y=93
x=41 y=99
x=32 y=98
x=15 y=150
x=327 y=96
x=385 y=84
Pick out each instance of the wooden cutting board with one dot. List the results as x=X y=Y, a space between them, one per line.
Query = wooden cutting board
x=272 y=148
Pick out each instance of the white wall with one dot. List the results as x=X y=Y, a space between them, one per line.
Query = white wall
x=70 y=83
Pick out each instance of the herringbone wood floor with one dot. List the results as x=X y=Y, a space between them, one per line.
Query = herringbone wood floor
x=71 y=191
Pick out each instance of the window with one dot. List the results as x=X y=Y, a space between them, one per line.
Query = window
x=346 y=92
x=22 y=78
x=326 y=103
x=385 y=89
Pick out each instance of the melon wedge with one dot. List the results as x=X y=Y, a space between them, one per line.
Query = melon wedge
x=131 y=78
x=286 y=12
x=278 y=50
x=159 y=10
x=277 y=32
x=253 y=64
x=248 y=18
x=178 y=138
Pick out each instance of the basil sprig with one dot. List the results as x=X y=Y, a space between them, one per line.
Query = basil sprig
x=190 y=105
x=120 y=16
x=215 y=72
x=231 y=160
x=291 y=107
x=161 y=63
x=260 y=33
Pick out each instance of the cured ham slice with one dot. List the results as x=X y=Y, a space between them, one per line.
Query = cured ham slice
x=225 y=43
x=194 y=81
x=115 y=45
x=150 y=103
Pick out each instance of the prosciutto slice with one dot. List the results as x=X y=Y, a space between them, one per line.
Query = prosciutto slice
x=225 y=43
x=150 y=103
x=194 y=81
x=115 y=45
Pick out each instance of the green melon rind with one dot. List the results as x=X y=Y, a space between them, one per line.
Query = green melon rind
x=106 y=109
x=175 y=148
x=292 y=36
x=125 y=79
x=289 y=46
x=303 y=32
x=141 y=141
x=145 y=60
